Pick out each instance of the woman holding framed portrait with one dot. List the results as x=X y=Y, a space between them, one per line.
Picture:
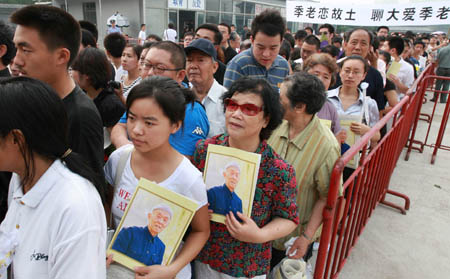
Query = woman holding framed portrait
x=155 y=110
x=242 y=249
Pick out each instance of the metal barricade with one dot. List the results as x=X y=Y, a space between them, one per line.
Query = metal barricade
x=430 y=80
x=345 y=217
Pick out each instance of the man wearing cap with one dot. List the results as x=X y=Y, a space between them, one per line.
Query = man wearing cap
x=114 y=28
x=201 y=64
x=143 y=243
x=222 y=199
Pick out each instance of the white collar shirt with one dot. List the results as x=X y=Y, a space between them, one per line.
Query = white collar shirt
x=406 y=73
x=60 y=227
x=214 y=109
x=356 y=108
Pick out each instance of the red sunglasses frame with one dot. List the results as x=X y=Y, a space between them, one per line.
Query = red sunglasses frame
x=247 y=109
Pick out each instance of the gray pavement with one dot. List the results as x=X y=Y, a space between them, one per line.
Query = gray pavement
x=415 y=245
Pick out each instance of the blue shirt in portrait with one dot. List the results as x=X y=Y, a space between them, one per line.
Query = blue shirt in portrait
x=222 y=200
x=139 y=244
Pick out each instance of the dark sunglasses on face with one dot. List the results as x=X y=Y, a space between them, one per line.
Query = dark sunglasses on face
x=247 y=109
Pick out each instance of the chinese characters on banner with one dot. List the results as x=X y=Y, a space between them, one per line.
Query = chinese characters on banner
x=425 y=13
x=187 y=4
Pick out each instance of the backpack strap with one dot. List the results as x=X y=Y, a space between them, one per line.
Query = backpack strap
x=121 y=164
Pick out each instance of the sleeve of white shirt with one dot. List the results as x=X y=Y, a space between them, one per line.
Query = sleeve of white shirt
x=409 y=79
x=382 y=69
x=79 y=238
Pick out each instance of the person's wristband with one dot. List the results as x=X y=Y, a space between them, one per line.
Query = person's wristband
x=306 y=236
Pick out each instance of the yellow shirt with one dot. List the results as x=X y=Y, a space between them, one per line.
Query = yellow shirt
x=312 y=153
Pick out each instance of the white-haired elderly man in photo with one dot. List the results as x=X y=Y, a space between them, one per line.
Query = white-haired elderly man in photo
x=223 y=199
x=143 y=243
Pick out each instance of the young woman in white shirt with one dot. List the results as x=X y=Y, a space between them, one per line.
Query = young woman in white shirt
x=350 y=100
x=55 y=226
x=130 y=63
x=155 y=110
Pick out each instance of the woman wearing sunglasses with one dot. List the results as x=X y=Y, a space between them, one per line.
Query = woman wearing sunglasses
x=242 y=249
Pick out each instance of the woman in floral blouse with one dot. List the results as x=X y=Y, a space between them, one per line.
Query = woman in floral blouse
x=243 y=249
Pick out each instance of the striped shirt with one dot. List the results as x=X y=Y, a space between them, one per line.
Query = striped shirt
x=312 y=153
x=245 y=64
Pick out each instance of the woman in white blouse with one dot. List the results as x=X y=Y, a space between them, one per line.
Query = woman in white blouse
x=350 y=100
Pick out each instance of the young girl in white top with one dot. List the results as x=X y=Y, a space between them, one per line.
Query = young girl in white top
x=155 y=110
x=130 y=63
x=55 y=226
x=349 y=100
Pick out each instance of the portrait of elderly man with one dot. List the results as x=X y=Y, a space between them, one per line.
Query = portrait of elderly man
x=223 y=199
x=143 y=243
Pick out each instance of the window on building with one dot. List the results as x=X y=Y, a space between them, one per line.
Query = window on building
x=239 y=7
x=212 y=18
x=89 y=12
x=250 y=8
x=227 y=18
x=226 y=6
x=212 y=5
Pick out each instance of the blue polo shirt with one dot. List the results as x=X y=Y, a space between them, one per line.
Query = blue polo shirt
x=222 y=201
x=245 y=64
x=139 y=244
x=195 y=127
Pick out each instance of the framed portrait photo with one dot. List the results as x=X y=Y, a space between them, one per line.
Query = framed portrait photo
x=230 y=176
x=352 y=138
x=152 y=226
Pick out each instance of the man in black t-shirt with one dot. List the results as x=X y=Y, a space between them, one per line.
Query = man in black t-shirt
x=46 y=47
x=229 y=52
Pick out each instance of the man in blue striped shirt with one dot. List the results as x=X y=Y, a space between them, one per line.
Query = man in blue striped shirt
x=261 y=60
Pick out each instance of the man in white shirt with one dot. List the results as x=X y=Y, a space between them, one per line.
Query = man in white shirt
x=142 y=35
x=170 y=34
x=405 y=77
x=201 y=64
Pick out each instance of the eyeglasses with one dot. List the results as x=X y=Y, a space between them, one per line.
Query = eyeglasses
x=247 y=109
x=159 y=69
x=348 y=72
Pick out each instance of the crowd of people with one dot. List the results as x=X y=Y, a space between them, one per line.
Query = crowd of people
x=71 y=111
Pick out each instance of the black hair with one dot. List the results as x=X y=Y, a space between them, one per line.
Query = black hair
x=381 y=39
x=300 y=35
x=189 y=33
x=419 y=42
x=375 y=43
x=285 y=49
x=309 y=28
x=6 y=38
x=34 y=108
x=409 y=34
x=289 y=38
x=227 y=26
x=270 y=23
x=349 y=34
x=115 y=43
x=336 y=39
x=356 y=57
x=383 y=27
x=397 y=43
x=170 y=96
x=142 y=25
x=271 y=101
x=177 y=54
x=87 y=39
x=155 y=37
x=93 y=63
x=137 y=49
x=327 y=26
x=171 y=25
x=331 y=50
x=56 y=27
x=147 y=45
x=386 y=55
x=295 y=53
x=84 y=24
x=212 y=27
x=312 y=40
x=307 y=89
